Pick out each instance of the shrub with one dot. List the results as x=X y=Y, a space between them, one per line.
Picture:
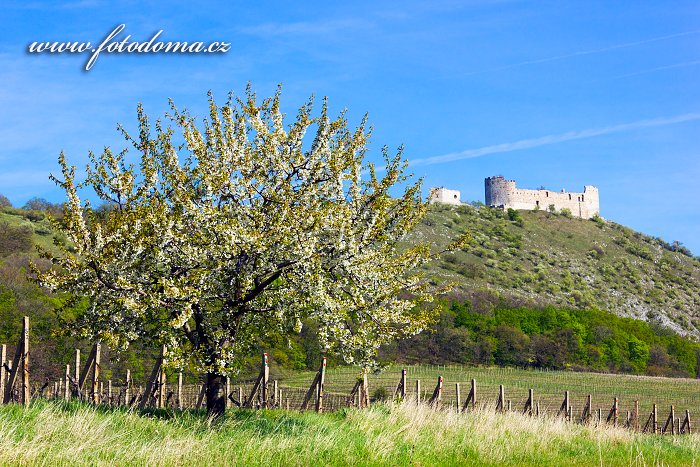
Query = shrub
x=515 y=217
x=566 y=212
x=597 y=251
x=14 y=239
x=34 y=215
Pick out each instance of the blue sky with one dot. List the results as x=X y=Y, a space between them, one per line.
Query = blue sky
x=559 y=94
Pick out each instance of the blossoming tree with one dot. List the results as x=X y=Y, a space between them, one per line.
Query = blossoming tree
x=238 y=226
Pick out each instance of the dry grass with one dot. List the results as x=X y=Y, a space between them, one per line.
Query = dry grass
x=387 y=434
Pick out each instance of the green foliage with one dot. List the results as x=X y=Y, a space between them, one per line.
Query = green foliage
x=241 y=231
x=555 y=338
x=566 y=212
x=515 y=217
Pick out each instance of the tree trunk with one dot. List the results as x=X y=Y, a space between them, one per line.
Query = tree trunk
x=216 y=395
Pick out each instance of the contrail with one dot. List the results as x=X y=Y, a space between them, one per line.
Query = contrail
x=554 y=139
x=585 y=52
x=658 y=68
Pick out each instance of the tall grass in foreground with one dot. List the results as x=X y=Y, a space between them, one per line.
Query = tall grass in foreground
x=69 y=433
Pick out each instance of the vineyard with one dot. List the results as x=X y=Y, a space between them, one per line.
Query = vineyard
x=636 y=402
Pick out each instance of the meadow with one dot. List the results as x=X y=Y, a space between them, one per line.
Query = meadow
x=69 y=433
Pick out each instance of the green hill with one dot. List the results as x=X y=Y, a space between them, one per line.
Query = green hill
x=537 y=258
x=532 y=289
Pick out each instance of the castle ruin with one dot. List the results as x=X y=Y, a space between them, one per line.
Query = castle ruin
x=503 y=193
x=444 y=196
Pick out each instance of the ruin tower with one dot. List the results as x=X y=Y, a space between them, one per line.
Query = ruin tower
x=498 y=190
x=504 y=194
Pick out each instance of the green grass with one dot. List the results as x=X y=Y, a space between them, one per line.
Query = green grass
x=387 y=434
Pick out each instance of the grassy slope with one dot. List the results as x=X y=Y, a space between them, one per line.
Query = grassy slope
x=59 y=434
x=43 y=233
x=551 y=259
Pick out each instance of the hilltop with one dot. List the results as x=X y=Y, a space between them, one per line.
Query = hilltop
x=538 y=258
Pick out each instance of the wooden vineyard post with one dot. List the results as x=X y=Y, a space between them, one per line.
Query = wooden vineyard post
x=458 y=397
x=365 y=390
x=127 y=389
x=265 y=381
x=471 y=398
x=635 y=416
x=613 y=414
x=178 y=402
x=109 y=392
x=162 y=381
x=418 y=391
x=76 y=388
x=404 y=381
x=353 y=399
x=321 y=383
x=240 y=396
x=436 y=399
x=685 y=426
x=500 y=402
x=92 y=364
x=276 y=394
x=228 y=392
x=317 y=387
x=400 y=391
x=154 y=382
x=200 y=396
x=670 y=421
x=3 y=358
x=25 y=362
x=537 y=412
x=260 y=382
x=587 y=412
x=565 y=407
x=19 y=364
x=66 y=387
x=96 y=372
x=652 y=422
x=528 y=403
